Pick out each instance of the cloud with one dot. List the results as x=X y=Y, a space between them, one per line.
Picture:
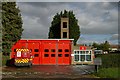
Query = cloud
x=114 y=37
x=67 y=0
x=83 y=40
x=93 y=17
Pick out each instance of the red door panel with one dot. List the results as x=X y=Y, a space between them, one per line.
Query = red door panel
x=21 y=45
x=67 y=52
x=34 y=47
x=52 y=53
x=49 y=53
x=36 y=53
x=45 y=53
x=60 y=54
x=64 y=53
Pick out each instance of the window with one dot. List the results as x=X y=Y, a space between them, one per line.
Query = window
x=64 y=24
x=46 y=55
x=76 y=57
x=52 y=55
x=66 y=50
x=52 y=50
x=76 y=52
x=46 y=50
x=36 y=55
x=82 y=52
x=14 y=50
x=88 y=57
x=64 y=34
x=24 y=54
x=82 y=58
x=36 y=50
x=87 y=52
x=66 y=55
x=59 y=55
x=82 y=55
x=60 y=50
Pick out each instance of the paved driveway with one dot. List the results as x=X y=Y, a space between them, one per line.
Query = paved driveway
x=49 y=71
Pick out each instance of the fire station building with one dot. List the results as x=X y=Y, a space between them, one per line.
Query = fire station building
x=55 y=51
x=47 y=51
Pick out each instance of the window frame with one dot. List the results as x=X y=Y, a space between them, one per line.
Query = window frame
x=60 y=55
x=66 y=50
x=52 y=55
x=78 y=53
x=36 y=50
x=52 y=50
x=36 y=54
x=46 y=55
x=66 y=55
x=60 y=50
x=46 y=50
x=64 y=24
x=64 y=34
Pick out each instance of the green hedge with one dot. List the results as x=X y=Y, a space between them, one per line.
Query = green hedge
x=109 y=60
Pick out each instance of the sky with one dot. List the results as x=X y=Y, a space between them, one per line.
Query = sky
x=98 y=21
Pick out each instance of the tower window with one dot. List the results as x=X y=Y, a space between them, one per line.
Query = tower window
x=64 y=24
x=64 y=34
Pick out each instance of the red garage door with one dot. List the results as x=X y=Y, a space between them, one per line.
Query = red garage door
x=55 y=53
x=63 y=54
x=66 y=53
x=49 y=53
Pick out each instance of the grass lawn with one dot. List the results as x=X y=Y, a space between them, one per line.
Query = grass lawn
x=108 y=73
x=110 y=67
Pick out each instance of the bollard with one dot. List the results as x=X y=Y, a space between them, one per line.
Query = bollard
x=96 y=68
x=97 y=62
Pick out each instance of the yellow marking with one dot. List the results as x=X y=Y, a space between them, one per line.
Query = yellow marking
x=22 y=60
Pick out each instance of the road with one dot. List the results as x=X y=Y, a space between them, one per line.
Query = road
x=49 y=71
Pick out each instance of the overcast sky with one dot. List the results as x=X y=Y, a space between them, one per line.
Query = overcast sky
x=98 y=21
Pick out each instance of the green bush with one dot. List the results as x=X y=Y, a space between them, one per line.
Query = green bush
x=4 y=60
x=109 y=60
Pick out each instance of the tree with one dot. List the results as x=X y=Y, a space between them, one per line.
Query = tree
x=11 y=26
x=103 y=46
x=106 y=46
x=74 y=31
x=95 y=45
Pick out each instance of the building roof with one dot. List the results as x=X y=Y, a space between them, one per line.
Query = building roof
x=46 y=39
x=113 y=46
